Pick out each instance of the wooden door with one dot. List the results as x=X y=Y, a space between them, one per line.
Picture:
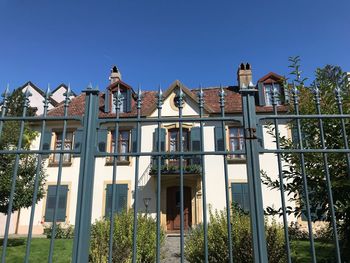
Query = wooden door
x=173 y=208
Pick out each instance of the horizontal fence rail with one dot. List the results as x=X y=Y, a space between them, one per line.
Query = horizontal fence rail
x=88 y=149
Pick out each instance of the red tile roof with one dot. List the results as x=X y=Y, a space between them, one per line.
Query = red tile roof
x=233 y=103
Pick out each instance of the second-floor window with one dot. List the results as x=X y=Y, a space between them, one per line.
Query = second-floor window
x=174 y=143
x=67 y=158
x=236 y=141
x=123 y=144
x=268 y=93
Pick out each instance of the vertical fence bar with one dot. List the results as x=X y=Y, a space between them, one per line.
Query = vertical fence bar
x=81 y=243
x=137 y=164
x=182 y=243
x=253 y=172
x=14 y=177
x=59 y=177
x=4 y=108
x=204 y=191
x=227 y=193
x=328 y=179
x=117 y=103
x=303 y=173
x=159 y=163
x=37 y=174
x=343 y=129
x=280 y=174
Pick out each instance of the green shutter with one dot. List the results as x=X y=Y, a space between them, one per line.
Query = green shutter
x=47 y=139
x=240 y=195
x=50 y=203
x=78 y=140
x=162 y=140
x=195 y=143
x=261 y=97
x=219 y=140
x=107 y=102
x=134 y=140
x=127 y=100
x=121 y=198
x=102 y=139
x=260 y=134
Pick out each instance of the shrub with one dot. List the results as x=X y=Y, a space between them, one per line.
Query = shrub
x=122 y=239
x=241 y=240
x=296 y=232
x=63 y=231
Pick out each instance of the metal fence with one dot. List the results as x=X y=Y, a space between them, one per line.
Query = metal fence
x=89 y=149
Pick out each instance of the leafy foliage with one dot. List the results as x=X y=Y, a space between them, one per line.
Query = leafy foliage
x=27 y=163
x=241 y=239
x=122 y=239
x=327 y=79
x=63 y=231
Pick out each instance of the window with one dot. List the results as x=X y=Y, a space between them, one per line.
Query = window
x=240 y=195
x=58 y=146
x=120 y=201
x=268 y=93
x=174 y=143
x=123 y=145
x=236 y=141
x=123 y=104
x=51 y=202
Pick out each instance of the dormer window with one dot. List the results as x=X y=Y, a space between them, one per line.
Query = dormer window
x=124 y=102
x=268 y=90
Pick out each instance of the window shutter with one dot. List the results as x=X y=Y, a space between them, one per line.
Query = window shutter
x=47 y=139
x=78 y=140
x=128 y=100
x=134 y=140
x=50 y=203
x=195 y=143
x=240 y=195
x=121 y=198
x=162 y=140
x=261 y=94
x=219 y=140
x=260 y=134
x=107 y=102
x=102 y=139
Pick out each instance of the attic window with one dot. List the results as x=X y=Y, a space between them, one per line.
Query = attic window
x=268 y=94
x=124 y=102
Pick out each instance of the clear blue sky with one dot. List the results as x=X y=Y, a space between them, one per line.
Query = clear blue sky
x=158 y=41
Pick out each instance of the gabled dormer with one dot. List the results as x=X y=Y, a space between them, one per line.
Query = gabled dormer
x=265 y=84
x=126 y=92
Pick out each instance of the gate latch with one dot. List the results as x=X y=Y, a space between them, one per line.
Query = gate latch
x=250 y=133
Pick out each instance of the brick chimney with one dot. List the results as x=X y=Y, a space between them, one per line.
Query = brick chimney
x=244 y=75
x=115 y=75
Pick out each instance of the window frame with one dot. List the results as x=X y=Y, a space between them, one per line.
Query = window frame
x=235 y=157
x=53 y=161
x=111 y=148
x=175 y=162
x=268 y=95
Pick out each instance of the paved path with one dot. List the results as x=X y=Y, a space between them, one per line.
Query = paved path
x=171 y=250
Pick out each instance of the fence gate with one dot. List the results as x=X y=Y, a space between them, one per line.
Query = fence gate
x=90 y=143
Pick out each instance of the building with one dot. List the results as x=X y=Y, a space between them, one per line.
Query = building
x=170 y=141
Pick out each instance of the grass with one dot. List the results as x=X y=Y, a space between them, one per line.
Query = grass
x=301 y=251
x=63 y=250
x=39 y=251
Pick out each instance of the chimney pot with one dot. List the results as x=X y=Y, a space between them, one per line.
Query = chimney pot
x=115 y=75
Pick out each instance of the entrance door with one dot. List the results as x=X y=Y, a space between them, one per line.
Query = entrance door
x=173 y=208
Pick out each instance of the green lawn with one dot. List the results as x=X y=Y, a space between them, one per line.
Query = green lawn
x=63 y=249
x=39 y=251
x=301 y=252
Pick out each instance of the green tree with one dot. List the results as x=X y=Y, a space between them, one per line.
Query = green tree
x=327 y=79
x=27 y=162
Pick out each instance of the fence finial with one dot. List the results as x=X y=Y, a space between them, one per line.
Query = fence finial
x=139 y=97
x=47 y=96
x=118 y=98
x=159 y=97
x=295 y=93
x=7 y=91
x=338 y=95
x=274 y=94
x=222 y=95
x=200 y=96
x=316 y=92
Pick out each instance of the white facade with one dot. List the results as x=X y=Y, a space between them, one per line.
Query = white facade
x=215 y=180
